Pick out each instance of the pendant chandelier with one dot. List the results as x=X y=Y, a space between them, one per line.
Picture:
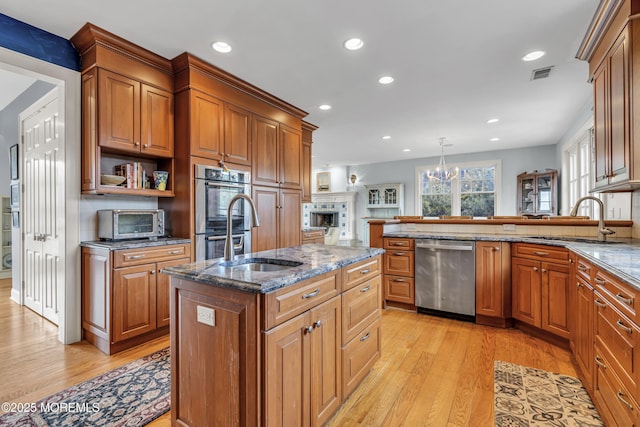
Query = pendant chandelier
x=442 y=172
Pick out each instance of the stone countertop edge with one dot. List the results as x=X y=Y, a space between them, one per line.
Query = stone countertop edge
x=114 y=245
x=621 y=259
x=316 y=260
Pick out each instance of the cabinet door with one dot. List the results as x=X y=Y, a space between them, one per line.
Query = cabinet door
x=526 y=291
x=286 y=374
x=601 y=123
x=162 y=291
x=583 y=331
x=118 y=112
x=325 y=362
x=489 y=283
x=134 y=301
x=555 y=298
x=264 y=167
x=399 y=289
x=237 y=135
x=267 y=201
x=290 y=157
x=206 y=126
x=619 y=106
x=156 y=121
x=306 y=172
x=289 y=218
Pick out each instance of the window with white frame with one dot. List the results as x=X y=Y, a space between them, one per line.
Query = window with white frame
x=475 y=191
x=579 y=173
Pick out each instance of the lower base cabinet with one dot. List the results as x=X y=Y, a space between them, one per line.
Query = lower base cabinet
x=286 y=358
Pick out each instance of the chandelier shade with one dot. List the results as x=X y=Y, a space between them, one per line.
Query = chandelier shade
x=442 y=172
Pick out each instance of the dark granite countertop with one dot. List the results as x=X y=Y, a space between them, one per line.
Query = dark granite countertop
x=620 y=256
x=315 y=259
x=134 y=243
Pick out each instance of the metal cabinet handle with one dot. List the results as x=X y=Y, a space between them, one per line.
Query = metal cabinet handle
x=622 y=326
x=578 y=284
x=496 y=249
x=398 y=253
x=366 y=337
x=599 y=281
x=311 y=294
x=365 y=289
x=317 y=324
x=582 y=267
x=540 y=253
x=599 y=303
x=365 y=271
x=176 y=252
x=620 y=395
x=135 y=256
x=400 y=280
x=535 y=268
x=146 y=145
x=544 y=270
x=137 y=143
x=152 y=272
x=307 y=330
x=622 y=298
x=399 y=244
x=599 y=362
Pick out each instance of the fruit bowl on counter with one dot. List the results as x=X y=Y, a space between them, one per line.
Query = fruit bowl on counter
x=112 y=179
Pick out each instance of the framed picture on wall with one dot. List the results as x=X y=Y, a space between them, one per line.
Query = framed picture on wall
x=323 y=181
x=14 y=196
x=13 y=161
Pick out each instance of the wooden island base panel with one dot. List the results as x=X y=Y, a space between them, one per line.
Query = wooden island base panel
x=280 y=348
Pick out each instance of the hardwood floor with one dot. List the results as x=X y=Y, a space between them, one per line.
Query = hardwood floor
x=433 y=371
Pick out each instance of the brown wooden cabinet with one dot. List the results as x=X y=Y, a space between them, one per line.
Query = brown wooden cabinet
x=125 y=297
x=540 y=289
x=538 y=193
x=307 y=141
x=583 y=320
x=286 y=358
x=127 y=111
x=493 y=283
x=399 y=270
x=279 y=211
x=277 y=154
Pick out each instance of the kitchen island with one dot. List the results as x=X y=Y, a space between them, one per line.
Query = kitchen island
x=279 y=337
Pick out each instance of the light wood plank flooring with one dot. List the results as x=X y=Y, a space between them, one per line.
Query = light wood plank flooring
x=433 y=371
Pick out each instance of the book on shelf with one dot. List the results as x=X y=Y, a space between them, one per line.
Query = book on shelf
x=135 y=174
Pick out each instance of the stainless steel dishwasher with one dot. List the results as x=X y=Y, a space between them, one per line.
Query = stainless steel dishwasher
x=446 y=278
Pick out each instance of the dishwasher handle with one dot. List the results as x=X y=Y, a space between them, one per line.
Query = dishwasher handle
x=448 y=248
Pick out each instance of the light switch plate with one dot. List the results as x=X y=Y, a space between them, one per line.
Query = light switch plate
x=206 y=315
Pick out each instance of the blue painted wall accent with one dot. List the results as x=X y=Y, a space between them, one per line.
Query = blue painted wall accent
x=24 y=38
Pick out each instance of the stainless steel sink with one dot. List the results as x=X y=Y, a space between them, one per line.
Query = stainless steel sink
x=260 y=264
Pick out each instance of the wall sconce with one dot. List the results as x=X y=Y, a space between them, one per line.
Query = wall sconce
x=353 y=178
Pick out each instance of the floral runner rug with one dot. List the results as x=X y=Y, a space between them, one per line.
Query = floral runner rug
x=532 y=397
x=131 y=395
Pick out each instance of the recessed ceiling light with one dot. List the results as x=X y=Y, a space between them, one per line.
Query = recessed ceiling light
x=407 y=149
x=494 y=139
x=221 y=47
x=325 y=107
x=493 y=121
x=386 y=137
x=353 y=44
x=532 y=56
x=385 y=80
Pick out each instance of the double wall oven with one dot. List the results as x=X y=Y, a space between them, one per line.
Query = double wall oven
x=214 y=189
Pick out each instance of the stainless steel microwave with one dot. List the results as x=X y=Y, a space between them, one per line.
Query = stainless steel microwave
x=116 y=224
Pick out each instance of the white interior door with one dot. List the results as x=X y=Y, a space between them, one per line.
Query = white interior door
x=42 y=207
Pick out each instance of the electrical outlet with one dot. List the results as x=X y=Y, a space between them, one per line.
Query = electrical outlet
x=206 y=315
x=509 y=227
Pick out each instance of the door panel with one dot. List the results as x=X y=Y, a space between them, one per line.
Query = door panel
x=119 y=111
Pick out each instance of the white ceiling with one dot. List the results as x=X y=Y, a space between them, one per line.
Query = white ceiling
x=12 y=85
x=456 y=63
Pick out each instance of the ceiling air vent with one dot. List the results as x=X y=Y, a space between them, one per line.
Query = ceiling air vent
x=541 y=73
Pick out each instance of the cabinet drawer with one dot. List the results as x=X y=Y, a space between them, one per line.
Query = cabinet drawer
x=360 y=306
x=399 y=289
x=399 y=263
x=584 y=269
x=619 y=294
x=616 y=339
x=359 y=272
x=616 y=405
x=359 y=355
x=125 y=258
x=540 y=252
x=398 y=243
x=285 y=303
x=313 y=234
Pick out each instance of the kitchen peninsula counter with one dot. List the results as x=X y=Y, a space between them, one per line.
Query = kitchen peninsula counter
x=114 y=245
x=316 y=260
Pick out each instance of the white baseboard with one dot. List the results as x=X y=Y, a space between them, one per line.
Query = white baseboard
x=15 y=295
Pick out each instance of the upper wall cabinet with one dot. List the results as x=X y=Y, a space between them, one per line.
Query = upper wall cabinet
x=612 y=48
x=127 y=113
x=537 y=193
x=307 y=141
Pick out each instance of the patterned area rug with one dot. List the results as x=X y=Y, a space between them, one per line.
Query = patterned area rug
x=131 y=395
x=532 y=397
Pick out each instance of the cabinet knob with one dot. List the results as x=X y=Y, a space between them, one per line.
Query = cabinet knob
x=146 y=145
x=496 y=249
x=308 y=329
x=578 y=284
x=137 y=143
x=152 y=272
x=317 y=324
x=544 y=270
x=535 y=268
